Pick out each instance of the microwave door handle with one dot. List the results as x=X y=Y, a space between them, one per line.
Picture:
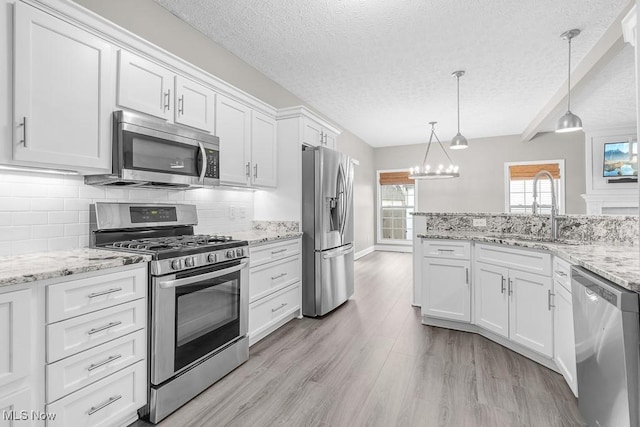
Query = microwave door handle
x=203 y=167
x=164 y=284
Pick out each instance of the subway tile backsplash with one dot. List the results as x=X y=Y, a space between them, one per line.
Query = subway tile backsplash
x=41 y=213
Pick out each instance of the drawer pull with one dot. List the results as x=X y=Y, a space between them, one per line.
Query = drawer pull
x=283 y=305
x=278 y=251
x=549 y=295
x=561 y=273
x=446 y=250
x=466 y=272
x=104 y=362
x=278 y=276
x=502 y=287
x=105 y=327
x=510 y=287
x=103 y=405
x=108 y=291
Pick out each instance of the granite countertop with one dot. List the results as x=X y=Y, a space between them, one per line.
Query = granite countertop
x=48 y=265
x=256 y=237
x=617 y=263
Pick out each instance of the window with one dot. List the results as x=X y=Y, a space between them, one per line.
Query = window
x=519 y=178
x=396 y=202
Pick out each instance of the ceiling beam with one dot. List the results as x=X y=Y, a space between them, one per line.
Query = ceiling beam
x=609 y=45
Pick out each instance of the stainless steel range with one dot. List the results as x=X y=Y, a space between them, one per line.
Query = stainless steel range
x=198 y=296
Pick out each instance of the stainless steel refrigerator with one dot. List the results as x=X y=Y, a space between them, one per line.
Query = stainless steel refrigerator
x=327 y=224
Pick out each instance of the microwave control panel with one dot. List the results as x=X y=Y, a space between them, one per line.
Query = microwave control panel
x=213 y=169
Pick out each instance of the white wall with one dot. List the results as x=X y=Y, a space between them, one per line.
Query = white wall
x=41 y=212
x=480 y=187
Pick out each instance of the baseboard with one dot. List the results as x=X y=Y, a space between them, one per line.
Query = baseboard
x=364 y=252
x=395 y=248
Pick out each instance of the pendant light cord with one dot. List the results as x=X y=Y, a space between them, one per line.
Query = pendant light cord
x=569 y=78
x=458 y=77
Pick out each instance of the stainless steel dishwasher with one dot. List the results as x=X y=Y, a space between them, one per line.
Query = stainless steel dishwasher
x=606 y=333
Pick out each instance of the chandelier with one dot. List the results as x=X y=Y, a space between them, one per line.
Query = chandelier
x=440 y=171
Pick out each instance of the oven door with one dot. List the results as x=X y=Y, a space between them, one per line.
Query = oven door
x=194 y=314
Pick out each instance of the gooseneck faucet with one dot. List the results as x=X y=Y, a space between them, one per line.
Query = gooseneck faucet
x=554 y=205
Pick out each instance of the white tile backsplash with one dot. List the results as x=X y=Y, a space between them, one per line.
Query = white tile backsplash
x=48 y=213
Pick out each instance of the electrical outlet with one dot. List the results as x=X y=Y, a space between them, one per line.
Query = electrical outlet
x=241 y=212
x=479 y=222
x=232 y=212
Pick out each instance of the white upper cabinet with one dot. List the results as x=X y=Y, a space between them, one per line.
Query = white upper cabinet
x=144 y=86
x=233 y=127
x=316 y=134
x=248 y=148
x=263 y=150
x=195 y=105
x=150 y=88
x=63 y=94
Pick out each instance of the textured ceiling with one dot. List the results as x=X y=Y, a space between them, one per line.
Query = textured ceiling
x=381 y=68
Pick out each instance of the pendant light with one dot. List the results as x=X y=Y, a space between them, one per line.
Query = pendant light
x=458 y=142
x=569 y=122
x=434 y=172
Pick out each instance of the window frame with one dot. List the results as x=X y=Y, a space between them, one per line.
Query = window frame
x=560 y=197
x=379 y=239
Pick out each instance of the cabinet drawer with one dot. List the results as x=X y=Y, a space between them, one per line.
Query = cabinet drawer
x=76 y=297
x=562 y=273
x=518 y=259
x=80 y=333
x=262 y=254
x=452 y=249
x=107 y=402
x=273 y=276
x=263 y=313
x=80 y=370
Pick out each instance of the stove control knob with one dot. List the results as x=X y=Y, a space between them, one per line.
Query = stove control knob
x=190 y=262
x=231 y=254
x=213 y=257
x=239 y=252
x=176 y=264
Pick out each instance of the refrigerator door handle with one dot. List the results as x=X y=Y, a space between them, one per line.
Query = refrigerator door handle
x=338 y=252
x=343 y=202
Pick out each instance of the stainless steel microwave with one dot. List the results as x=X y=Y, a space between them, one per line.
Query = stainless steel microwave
x=149 y=152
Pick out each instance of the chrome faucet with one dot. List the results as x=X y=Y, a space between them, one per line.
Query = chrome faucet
x=554 y=205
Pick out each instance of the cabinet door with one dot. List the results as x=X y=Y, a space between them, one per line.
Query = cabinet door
x=492 y=298
x=63 y=93
x=233 y=127
x=329 y=139
x=195 y=105
x=144 y=86
x=447 y=289
x=530 y=316
x=311 y=133
x=263 y=150
x=16 y=406
x=563 y=336
x=15 y=320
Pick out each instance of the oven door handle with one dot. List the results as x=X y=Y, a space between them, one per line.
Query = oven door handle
x=164 y=284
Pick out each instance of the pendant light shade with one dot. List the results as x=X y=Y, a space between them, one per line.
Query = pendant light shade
x=569 y=122
x=458 y=142
x=427 y=171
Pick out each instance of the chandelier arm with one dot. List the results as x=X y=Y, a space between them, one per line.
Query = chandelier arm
x=424 y=161
x=442 y=147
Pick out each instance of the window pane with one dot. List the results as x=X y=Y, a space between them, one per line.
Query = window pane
x=396 y=203
x=521 y=194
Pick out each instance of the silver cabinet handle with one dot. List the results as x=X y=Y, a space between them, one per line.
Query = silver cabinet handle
x=255 y=171
x=23 y=125
x=96 y=408
x=502 y=283
x=466 y=272
x=104 y=362
x=283 y=305
x=325 y=139
x=446 y=250
x=108 y=291
x=278 y=251
x=510 y=286
x=248 y=170
x=549 y=295
x=321 y=137
x=561 y=273
x=104 y=328
x=167 y=104
x=181 y=105
x=278 y=276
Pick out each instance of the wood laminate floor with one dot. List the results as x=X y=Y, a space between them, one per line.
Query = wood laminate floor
x=372 y=363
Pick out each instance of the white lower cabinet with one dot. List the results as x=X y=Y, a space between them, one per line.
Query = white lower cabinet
x=275 y=293
x=563 y=335
x=492 y=298
x=447 y=291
